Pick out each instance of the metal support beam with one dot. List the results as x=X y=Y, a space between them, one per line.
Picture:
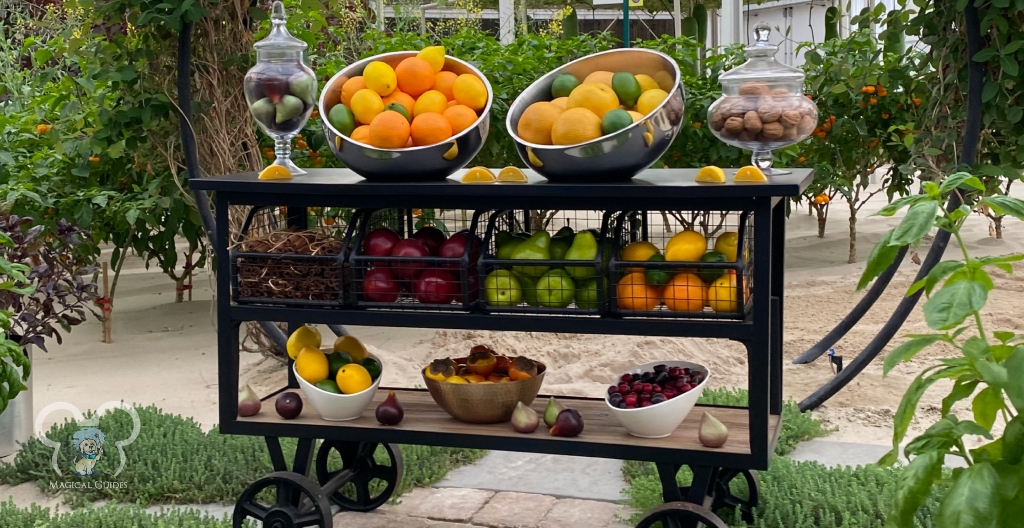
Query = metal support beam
x=506 y=21
x=731 y=23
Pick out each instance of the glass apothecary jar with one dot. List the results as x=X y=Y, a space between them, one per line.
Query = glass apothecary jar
x=280 y=89
x=763 y=106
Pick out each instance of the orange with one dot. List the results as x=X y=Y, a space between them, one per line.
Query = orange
x=443 y=82
x=389 y=130
x=561 y=101
x=415 y=76
x=600 y=76
x=596 y=97
x=366 y=104
x=431 y=101
x=350 y=87
x=430 y=128
x=401 y=98
x=469 y=90
x=633 y=293
x=575 y=126
x=455 y=103
x=361 y=135
x=722 y=293
x=536 y=122
x=460 y=117
x=685 y=293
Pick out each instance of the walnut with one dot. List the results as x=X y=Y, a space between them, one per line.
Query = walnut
x=780 y=91
x=806 y=126
x=769 y=111
x=747 y=135
x=734 y=106
x=790 y=118
x=752 y=122
x=772 y=131
x=754 y=88
x=790 y=134
x=734 y=125
x=717 y=121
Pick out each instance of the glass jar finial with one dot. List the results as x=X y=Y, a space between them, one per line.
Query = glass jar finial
x=277 y=13
x=761 y=33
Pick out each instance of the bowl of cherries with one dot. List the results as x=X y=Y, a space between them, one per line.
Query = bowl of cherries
x=652 y=399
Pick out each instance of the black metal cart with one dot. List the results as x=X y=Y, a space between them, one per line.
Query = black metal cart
x=753 y=430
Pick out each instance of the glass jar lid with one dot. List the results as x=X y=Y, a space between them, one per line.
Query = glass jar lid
x=279 y=39
x=761 y=64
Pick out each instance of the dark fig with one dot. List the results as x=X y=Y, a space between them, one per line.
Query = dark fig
x=248 y=403
x=389 y=412
x=568 y=423
x=524 y=419
x=288 y=405
x=712 y=432
x=551 y=411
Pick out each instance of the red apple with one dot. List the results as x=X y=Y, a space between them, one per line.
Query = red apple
x=455 y=247
x=409 y=269
x=436 y=286
x=431 y=237
x=380 y=242
x=379 y=285
x=472 y=285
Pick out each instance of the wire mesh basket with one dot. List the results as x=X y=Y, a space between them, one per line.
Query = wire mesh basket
x=682 y=264
x=416 y=259
x=546 y=262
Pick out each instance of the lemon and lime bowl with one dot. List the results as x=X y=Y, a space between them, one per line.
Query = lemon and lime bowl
x=385 y=161
x=619 y=111
x=355 y=384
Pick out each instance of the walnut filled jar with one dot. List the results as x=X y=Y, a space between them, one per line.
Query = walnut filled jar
x=762 y=107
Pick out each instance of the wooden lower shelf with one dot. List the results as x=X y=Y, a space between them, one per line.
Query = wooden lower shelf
x=427 y=424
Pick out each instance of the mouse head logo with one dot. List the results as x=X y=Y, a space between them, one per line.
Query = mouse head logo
x=88 y=442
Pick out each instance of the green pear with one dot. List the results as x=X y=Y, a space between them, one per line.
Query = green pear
x=263 y=111
x=584 y=247
x=505 y=250
x=586 y=294
x=502 y=288
x=560 y=244
x=529 y=287
x=537 y=247
x=302 y=85
x=565 y=231
x=501 y=237
x=288 y=108
x=555 y=289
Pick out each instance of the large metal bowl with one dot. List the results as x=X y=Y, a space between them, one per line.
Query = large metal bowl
x=618 y=156
x=413 y=164
x=484 y=402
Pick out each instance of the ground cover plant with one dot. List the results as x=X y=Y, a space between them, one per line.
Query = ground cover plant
x=109 y=515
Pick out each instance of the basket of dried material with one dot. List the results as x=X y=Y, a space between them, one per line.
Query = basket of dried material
x=289 y=267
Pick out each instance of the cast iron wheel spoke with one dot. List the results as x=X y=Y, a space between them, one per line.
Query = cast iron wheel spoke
x=358 y=457
x=681 y=515
x=291 y=489
x=725 y=498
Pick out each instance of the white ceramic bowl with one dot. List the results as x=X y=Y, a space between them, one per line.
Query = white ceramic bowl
x=661 y=419
x=338 y=407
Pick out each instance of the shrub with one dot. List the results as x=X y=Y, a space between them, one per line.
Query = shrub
x=107 y=516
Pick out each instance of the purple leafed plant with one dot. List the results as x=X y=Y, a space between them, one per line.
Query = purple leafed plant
x=62 y=277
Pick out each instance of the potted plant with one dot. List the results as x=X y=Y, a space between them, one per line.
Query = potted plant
x=42 y=288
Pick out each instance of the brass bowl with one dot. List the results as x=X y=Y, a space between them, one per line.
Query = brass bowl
x=484 y=403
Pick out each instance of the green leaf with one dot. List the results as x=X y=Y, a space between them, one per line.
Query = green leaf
x=908 y=407
x=975 y=347
x=992 y=373
x=914 y=486
x=1003 y=337
x=907 y=350
x=1005 y=205
x=899 y=203
x=990 y=452
x=42 y=55
x=972 y=501
x=969 y=428
x=961 y=178
x=918 y=221
x=881 y=257
x=953 y=303
x=1013 y=440
x=961 y=390
x=939 y=272
x=1009 y=65
x=1015 y=370
x=839 y=88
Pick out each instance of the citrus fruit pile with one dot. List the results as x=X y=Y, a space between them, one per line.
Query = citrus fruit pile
x=644 y=288
x=348 y=369
x=416 y=103
x=603 y=103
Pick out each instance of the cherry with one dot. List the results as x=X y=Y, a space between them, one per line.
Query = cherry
x=679 y=383
x=686 y=388
x=655 y=389
x=675 y=372
x=662 y=378
x=646 y=403
x=615 y=398
x=614 y=389
x=686 y=370
x=658 y=398
x=658 y=369
x=670 y=393
x=644 y=396
x=623 y=389
x=630 y=399
x=626 y=378
x=628 y=406
x=647 y=387
x=638 y=387
x=621 y=405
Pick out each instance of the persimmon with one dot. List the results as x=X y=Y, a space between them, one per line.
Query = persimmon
x=522 y=368
x=481 y=363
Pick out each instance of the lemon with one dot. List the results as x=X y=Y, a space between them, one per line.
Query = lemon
x=304 y=336
x=597 y=97
x=650 y=100
x=380 y=77
x=646 y=83
x=750 y=173
x=727 y=243
x=366 y=104
x=452 y=152
x=711 y=174
x=686 y=246
x=352 y=347
x=512 y=175
x=434 y=55
x=275 y=172
x=722 y=294
x=639 y=251
x=479 y=175
x=665 y=80
x=635 y=115
x=353 y=378
x=312 y=365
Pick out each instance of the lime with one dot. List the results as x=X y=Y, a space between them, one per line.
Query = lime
x=627 y=88
x=711 y=274
x=342 y=119
x=336 y=360
x=615 y=120
x=657 y=277
x=372 y=366
x=400 y=108
x=328 y=386
x=563 y=85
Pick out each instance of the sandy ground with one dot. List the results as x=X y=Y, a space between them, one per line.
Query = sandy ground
x=164 y=353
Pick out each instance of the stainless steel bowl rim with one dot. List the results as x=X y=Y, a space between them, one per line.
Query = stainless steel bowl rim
x=362 y=64
x=554 y=73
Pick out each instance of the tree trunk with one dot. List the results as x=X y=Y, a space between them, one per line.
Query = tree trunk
x=179 y=288
x=822 y=218
x=997 y=223
x=853 y=234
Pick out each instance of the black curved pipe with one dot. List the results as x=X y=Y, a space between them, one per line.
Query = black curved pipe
x=972 y=136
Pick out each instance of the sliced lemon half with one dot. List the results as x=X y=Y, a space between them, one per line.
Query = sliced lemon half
x=710 y=174
x=750 y=173
x=479 y=175
x=275 y=172
x=512 y=175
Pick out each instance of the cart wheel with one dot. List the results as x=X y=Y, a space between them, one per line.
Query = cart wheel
x=680 y=514
x=726 y=498
x=283 y=500
x=371 y=485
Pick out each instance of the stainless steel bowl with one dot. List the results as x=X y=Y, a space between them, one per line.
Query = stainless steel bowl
x=615 y=157
x=414 y=164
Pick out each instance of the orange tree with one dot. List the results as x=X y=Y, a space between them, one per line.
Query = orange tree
x=865 y=104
